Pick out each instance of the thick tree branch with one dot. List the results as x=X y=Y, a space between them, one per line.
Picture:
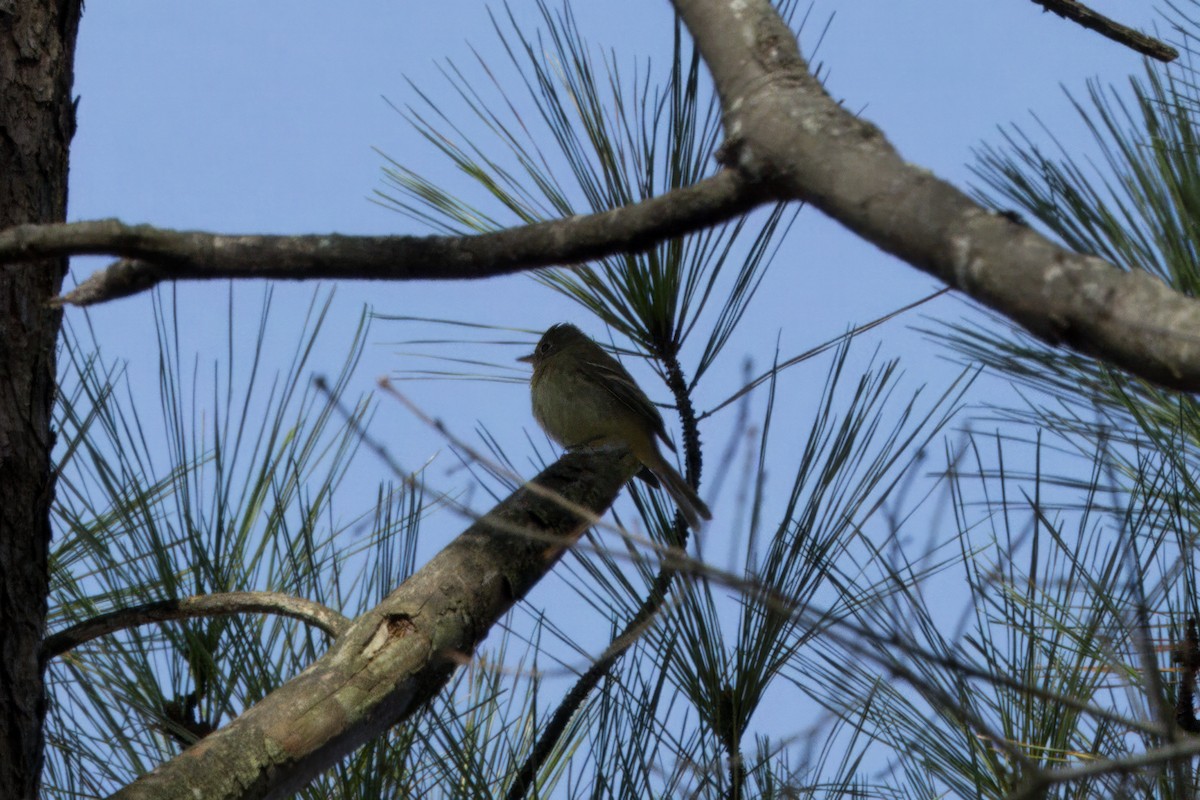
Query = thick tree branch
x=152 y=255
x=785 y=139
x=208 y=605
x=394 y=658
x=783 y=128
x=1110 y=29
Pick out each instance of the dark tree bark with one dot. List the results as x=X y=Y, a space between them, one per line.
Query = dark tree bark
x=37 y=120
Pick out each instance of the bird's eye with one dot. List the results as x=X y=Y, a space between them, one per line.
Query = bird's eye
x=544 y=348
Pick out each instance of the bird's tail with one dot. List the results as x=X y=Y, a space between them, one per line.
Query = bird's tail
x=685 y=497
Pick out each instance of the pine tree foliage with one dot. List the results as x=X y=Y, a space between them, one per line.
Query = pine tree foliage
x=1064 y=534
x=1103 y=527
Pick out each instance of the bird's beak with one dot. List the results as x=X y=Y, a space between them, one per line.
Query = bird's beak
x=527 y=359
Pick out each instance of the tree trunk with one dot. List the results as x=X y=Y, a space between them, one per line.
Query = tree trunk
x=37 y=120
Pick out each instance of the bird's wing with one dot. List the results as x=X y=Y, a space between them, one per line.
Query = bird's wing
x=622 y=386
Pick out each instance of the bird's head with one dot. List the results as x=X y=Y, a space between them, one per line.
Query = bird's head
x=556 y=339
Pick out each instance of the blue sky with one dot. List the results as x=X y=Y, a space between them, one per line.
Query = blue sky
x=262 y=117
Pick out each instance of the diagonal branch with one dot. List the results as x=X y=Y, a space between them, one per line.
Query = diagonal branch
x=784 y=129
x=206 y=605
x=152 y=255
x=786 y=139
x=398 y=655
x=1110 y=29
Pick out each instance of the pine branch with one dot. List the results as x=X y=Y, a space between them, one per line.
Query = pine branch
x=786 y=139
x=394 y=658
x=1110 y=29
x=152 y=255
x=785 y=128
x=209 y=605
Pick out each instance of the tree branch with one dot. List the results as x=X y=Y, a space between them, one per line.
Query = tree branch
x=786 y=138
x=395 y=657
x=152 y=255
x=1110 y=29
x=210 y=605
x=783 y=129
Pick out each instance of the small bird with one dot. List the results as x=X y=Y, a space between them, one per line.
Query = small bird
x=583 y=396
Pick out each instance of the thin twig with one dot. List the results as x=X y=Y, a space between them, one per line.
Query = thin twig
x=821 y=348
x=204 y=605
x=1110 y=29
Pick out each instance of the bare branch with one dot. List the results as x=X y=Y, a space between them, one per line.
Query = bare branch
x=784 y=129
x=152 y=255
x=206 y=605
x=1110 y=29
x=786 y=138
x=395 y=657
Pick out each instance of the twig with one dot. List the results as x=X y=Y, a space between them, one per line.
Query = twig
x=821 y=348
x=552 y=732
x=1155 y=758
x=1110 y=29
x=205 y=605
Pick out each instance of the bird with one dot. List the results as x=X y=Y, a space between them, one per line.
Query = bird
x=583 y=397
